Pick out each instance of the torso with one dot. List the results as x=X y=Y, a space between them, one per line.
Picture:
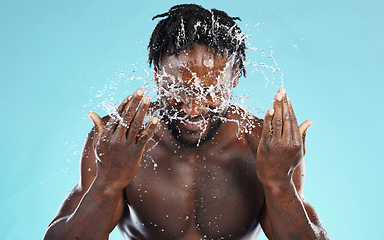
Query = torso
x=207 y=192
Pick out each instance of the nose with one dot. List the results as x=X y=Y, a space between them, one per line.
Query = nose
x=194 y=107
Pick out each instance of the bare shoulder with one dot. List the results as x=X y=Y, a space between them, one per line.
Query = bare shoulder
x=249 y=125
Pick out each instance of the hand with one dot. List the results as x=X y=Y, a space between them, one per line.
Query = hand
x=118 y=145
x=281 y=147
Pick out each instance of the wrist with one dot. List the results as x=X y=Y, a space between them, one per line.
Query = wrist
x=107 y=187
x=282 y=188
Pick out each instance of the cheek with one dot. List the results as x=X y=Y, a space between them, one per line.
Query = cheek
x=170 y=102
x=219 y=98
x=216 y=103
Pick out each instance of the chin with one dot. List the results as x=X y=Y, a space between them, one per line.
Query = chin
x=193 y=139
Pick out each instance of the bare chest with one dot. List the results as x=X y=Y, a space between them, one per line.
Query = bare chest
x=204 y=193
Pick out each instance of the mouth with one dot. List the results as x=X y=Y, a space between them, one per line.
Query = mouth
x=193 y=124
x=196 y=124
x=193 y=131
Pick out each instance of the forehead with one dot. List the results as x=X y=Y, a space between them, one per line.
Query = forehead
x=202 y=62
x=199 y=55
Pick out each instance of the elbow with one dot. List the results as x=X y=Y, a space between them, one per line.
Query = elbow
x=55 y=230
x=322 y=234
x=51 y=234
x=325 y=236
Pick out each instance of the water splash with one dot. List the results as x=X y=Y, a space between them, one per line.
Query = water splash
x=262 y=67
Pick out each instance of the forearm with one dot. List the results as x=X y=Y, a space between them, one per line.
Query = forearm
x=288 y=216
x=93 y=217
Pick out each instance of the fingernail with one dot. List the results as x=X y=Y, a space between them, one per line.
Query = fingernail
x=271 y=111
x=155 y=120
x=129 y=97
x=282 y=90
x=146 y=100
x=279 y=96
x=139 y=92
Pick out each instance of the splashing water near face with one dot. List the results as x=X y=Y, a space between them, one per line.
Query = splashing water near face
x=196 y=89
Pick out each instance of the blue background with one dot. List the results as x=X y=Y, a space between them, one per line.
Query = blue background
x=61 y=59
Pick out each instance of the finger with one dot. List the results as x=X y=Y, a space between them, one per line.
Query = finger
x=267 y=126
x=99 y=125
x=287 y=123
x=303 y=131
x=148 y=132
x=123 y=104
x=296 y=136
x=137 y=121
x=109 y=127
x=116 y=116
x=121 y=123
x=128 y=113
x=304 y=127
x=277 y=118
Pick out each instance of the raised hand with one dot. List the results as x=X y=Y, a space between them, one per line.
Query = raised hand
x=281 y=148
x=119 y=144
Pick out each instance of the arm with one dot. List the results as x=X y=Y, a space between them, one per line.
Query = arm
x=110 y=159
x=280 y=168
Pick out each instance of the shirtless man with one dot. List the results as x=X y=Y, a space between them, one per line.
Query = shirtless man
x=203 y=168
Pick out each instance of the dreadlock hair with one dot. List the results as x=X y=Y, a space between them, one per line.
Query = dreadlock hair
x=189 y=23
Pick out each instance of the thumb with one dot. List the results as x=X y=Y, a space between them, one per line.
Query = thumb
x=99 y=125
x=303 y=131
x=304 y=127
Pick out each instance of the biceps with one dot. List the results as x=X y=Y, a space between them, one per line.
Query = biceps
x=69 y=204
x=88 y=172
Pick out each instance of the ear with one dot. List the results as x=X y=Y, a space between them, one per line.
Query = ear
x=237 y=76
x=156 y=76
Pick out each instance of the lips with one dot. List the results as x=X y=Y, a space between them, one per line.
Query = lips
x=194 y=124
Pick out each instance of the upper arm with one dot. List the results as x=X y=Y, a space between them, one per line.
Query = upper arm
x=88 y=170
x=87 y=175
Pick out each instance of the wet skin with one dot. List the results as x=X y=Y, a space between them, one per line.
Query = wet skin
x=211 y=190
x=198 y=177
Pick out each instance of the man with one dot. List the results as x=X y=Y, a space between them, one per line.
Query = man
x=203 y=168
